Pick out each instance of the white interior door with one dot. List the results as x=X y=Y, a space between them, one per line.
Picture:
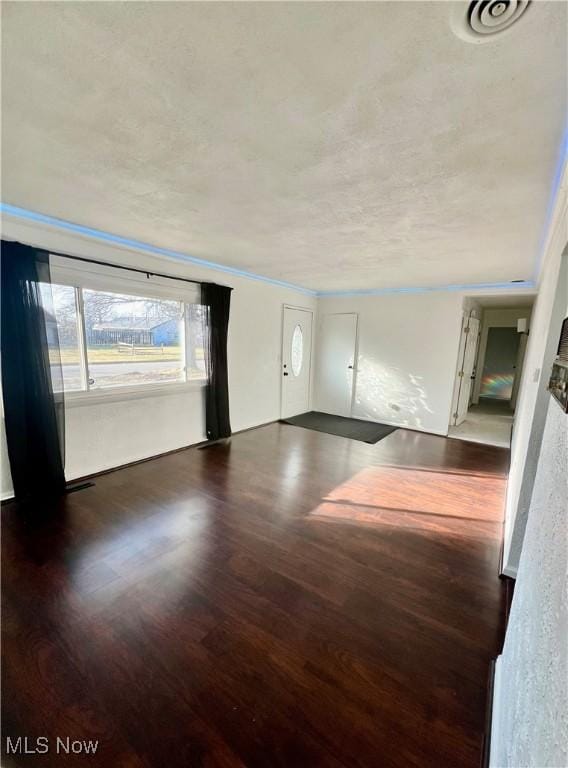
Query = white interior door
x=464 y=381
x=336 y=363
x=296 y=359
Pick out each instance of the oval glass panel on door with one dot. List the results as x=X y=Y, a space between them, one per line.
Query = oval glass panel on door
x=297 y=350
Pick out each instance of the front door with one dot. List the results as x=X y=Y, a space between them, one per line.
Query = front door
x=296 y=359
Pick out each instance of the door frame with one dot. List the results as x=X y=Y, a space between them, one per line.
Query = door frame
x=355 y=362
x=281 y=355
x=458 y=380
x=355 y=355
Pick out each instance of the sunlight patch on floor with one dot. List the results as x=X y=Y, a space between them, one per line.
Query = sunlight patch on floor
x=406 y=497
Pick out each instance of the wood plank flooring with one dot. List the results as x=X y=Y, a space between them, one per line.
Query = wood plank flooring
x=289 y=598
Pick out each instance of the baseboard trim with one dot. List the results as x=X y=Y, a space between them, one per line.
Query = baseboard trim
x=509 y=571
x=73 y=487
x=135 y=462
x=491 y=740
x=83 y=480
x=486 y=747
x=200 y=444
x=501 y=548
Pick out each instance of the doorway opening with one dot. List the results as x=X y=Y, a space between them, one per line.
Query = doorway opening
x=493 y=341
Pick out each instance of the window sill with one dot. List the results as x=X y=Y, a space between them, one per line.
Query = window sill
x=123 y=394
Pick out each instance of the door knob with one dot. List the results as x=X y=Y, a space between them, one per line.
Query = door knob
x=286 y=374
x=350 y=367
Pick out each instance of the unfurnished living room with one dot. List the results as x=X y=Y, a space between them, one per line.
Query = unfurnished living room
x=284 y=368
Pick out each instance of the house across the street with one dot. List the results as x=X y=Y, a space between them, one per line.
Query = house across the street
x=136 y=330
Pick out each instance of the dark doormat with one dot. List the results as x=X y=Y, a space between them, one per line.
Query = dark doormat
x=356 y=429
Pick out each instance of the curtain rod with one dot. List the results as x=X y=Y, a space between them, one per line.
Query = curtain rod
x=148 y=272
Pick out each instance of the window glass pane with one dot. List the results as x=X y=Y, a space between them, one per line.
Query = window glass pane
x=132 y=340
x=196 y=345
x=297 y=350
x=61 y=319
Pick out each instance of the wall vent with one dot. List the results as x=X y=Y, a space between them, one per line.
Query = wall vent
x=483 y=19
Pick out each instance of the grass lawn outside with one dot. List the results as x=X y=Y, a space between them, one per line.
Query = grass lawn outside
x=70 y=355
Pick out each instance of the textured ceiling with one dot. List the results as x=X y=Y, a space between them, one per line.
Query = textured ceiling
x=331 y=145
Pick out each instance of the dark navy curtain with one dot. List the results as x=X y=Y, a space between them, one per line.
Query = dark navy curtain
x=32 y=383
x=217 y=301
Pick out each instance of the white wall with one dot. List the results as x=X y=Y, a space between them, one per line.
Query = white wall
x=530 y=705
x=407 y=354
x=408 y=346
x=105 y=435
x=533 y=399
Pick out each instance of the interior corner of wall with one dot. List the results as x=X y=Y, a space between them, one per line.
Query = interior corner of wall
x=495 y=746
x=509 y=570
x=510 y=514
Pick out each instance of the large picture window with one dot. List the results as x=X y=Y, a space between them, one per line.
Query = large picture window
x=110 y=339
x=132 y=340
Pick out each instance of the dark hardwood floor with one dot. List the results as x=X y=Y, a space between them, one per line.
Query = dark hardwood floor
x=288 y=599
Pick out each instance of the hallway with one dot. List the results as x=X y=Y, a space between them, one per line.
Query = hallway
x=490 y=422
